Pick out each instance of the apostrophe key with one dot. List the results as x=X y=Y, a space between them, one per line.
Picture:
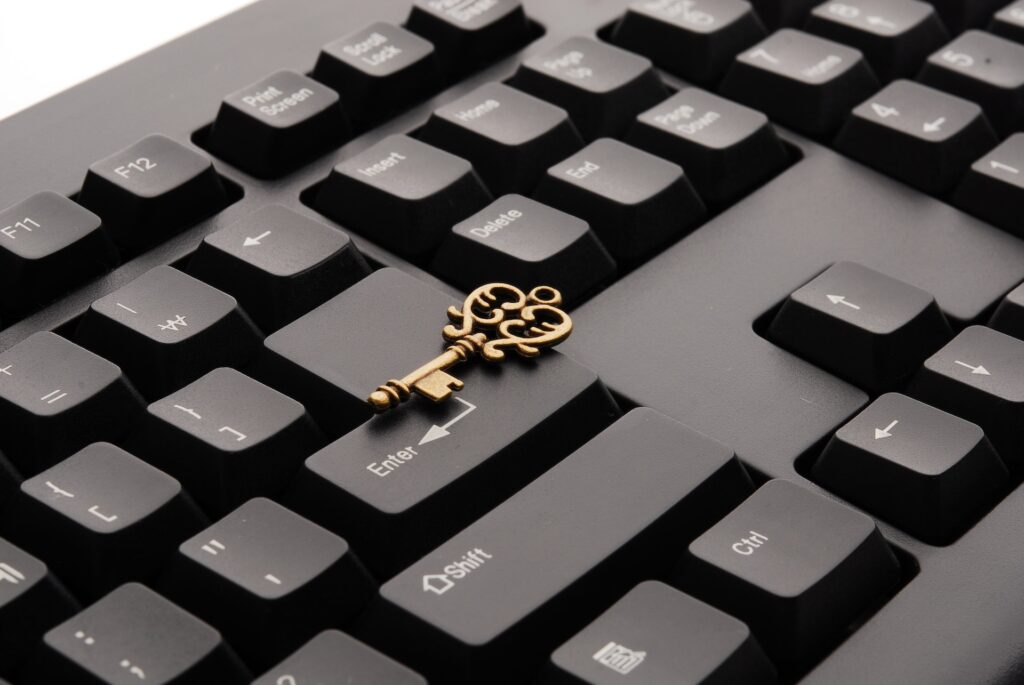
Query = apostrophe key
x=801 y=81
x=269 y=579
x=523 y=242
x=926 y=471
x=151 y=190
x=1009 y=315
x=601 y=86
x=795 y=566
x=402 y=193
x=378 y=70
x=61 y=397
x=635 y=202
x=657 y=635
x=48 y=244
x=895 y=35
x=133 y=635
x=776 y=13
x=961 y=14
x=985 y=69
x=333 y=656
x=918 y=135
x=278 y=263
x=101 y=517
x=1009 y=22
x=274 y=125
x=510 y=137
x=979 y=376
x=993 y=188
x=862 y=325
x=726 y=149
x=227 y=438
x=165 y=329
x=470 y=33
x=502 y=587
x=695 y=40
x=31 y=602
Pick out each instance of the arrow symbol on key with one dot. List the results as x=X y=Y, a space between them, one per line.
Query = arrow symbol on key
x=1004 y=167
x=253 y=242
x=437 y=432
x=885 y=432
x=934 y=126
x=980 y=370
x=841 y=299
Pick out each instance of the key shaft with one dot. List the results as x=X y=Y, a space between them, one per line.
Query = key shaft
x=431 y=379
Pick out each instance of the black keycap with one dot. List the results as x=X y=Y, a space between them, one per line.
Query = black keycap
x=1009 y=22
x=583 y=532
x=278 y=263
x=334 y=657
x=635 y=202
x=801 y=81
x=133 y=635
x=993 y=188
x=227 y=438
x=961 y=14
x=657 y=635
x=918 y=135
x=693 y=39
x=519 y=241
x=61 y=397
x=601 y=86
x=165 y=329
x=979 y=376
x=510 y=137
x=777 y=13
x=403 y=194
x=1009 y=315
x=274 y=125
x=468 y=34
x=101 y=518
x=895 y=35
x=48 y=244
x=986 y=69
x=797 y=567
x=269 y=579
x=726 y=149
x=150 y=190
x=924 y=470
x=862 y=325
x=378 y=70
x=31 y=602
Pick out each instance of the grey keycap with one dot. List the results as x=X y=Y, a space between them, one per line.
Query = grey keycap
x=1009 y=315
x=467 y=34
x=1009 y=22
x=334 y=657
x=993 y=188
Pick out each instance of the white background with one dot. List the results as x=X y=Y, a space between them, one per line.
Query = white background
x=46 y=46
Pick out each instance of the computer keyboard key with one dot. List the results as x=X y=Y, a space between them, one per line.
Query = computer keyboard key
x=133 y=635
x=979 y=376
x=334 y=657
x=1009 y=22
x=521 y=580
x=993 y=188
x=520 y=241
x=278 y=263
x=166 y=329
x=896 y=36
x=962 y=14
x=923 y=470
x=470 y=33
x=31 y=602
x=275 y=125
x=801 y=81
x=269 y=579
x=796 y=567
x=921 y=136
x=985 y=69
x=726 y=149
x=867 y=327
x=151 y=190
x=61 y=397
x=511 y=137
x=403 y=194
x=776 y=13
x=602 y=87
x=227 y=438
x=378 y=70
x=1009 y=315
x=48 y=244
x=101 y=517
x=635 y=202
x=694 y=40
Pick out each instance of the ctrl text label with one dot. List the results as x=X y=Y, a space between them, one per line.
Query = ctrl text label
x=748 y=545
x=440 y=583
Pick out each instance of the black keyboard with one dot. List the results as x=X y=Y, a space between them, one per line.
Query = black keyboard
x=782 y=445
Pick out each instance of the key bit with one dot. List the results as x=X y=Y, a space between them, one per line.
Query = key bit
x=523 y=322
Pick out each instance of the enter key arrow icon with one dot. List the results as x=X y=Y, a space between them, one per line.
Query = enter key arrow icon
x=437 y=432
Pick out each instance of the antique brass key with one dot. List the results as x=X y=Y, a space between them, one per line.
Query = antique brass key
x=524 y=322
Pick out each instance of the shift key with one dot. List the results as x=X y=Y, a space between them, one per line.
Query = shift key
x=525 y=577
